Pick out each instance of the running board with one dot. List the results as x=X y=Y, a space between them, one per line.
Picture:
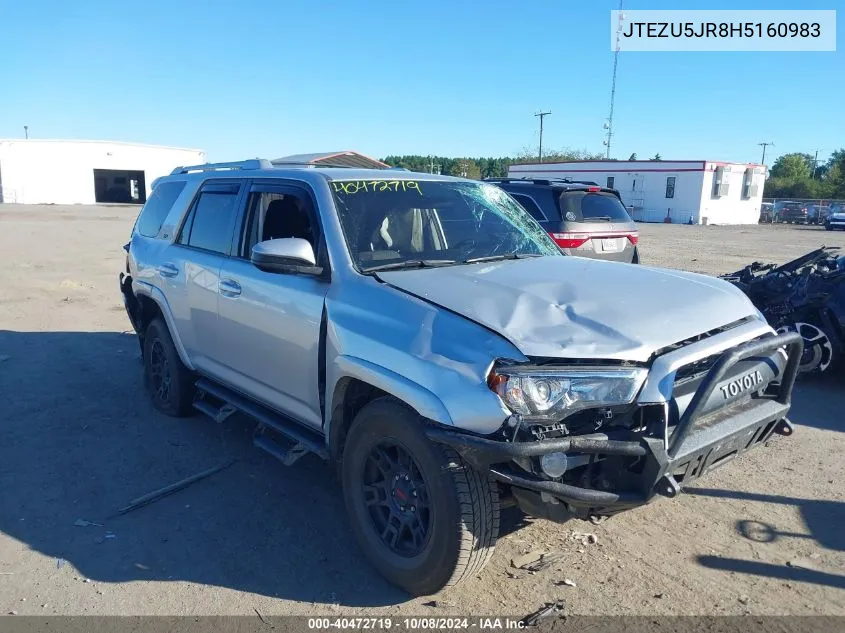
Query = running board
x=304 y=441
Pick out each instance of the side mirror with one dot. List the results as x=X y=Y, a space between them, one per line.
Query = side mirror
x=287 y=254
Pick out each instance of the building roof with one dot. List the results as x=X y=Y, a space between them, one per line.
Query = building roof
x=95 y=142
x=345 y=158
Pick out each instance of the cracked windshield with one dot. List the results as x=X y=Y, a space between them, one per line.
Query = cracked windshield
x=396 y=224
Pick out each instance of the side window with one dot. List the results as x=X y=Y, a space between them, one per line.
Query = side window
x=747 y=190
x=529 y=205
x=157 y=207
x=277 y=214
x=611 y=180
x=670 y=186
x=721 y=185
x=210 y=223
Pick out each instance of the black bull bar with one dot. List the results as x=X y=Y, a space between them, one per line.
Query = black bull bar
x=663 y=461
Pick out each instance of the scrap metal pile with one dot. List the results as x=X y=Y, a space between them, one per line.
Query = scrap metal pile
x=806 y=295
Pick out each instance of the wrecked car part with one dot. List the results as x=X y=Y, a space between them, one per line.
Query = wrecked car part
x=548 y=610
x=805 y=295
x=626 y=468
x=155 y=495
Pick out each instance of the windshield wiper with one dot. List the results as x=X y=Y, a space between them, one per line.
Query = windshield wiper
x=495 y=258
x=411 y=263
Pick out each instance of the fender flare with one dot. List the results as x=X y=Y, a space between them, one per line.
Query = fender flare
x=150 y=291
x=416 y=396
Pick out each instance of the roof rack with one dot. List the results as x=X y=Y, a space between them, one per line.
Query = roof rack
x=253 y=164
x=299 y=163
x=543 y=181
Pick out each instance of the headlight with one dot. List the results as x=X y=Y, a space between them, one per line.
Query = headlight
x=547 y=395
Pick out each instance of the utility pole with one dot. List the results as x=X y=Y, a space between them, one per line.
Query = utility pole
x=765 y=144
x=26 y=131
x=542 y=116
x=609 y=124
x=432 y=166
x=815 y=162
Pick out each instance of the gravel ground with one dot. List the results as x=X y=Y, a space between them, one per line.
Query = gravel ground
x=79 y=440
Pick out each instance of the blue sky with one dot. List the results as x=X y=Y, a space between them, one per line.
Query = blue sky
x=457 y=78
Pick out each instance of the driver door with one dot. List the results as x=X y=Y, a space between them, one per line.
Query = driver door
x=270 y=322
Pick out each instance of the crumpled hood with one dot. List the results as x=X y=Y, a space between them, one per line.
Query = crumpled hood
x=573 y=307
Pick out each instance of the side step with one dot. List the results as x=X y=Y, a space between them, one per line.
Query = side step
x=304 y=441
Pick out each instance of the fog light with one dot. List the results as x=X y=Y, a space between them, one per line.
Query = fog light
x=554 y=464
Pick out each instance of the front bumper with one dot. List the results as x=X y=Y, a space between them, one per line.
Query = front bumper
x=637 y=467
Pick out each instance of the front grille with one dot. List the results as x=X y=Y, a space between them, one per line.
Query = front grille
x=702 y=336
x=698 y=369
x=689 y=378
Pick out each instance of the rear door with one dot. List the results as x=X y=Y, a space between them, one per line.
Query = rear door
x=190 y=268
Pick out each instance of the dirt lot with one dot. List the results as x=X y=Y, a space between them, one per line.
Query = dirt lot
x=79 y=440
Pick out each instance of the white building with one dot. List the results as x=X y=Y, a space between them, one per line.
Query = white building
x=709 y=192
x=85 y=172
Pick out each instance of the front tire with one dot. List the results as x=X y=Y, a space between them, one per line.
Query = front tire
x=169 y=383
x=424 y=518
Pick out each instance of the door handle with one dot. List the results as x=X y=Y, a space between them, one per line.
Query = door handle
x=230 y=288
x=167 y=270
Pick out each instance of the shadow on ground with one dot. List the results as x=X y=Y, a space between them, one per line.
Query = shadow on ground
x=823 y=518
x=819 y=402
x=80 y=441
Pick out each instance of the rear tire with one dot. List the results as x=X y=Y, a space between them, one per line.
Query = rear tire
x=424 y=518
x=169 y=383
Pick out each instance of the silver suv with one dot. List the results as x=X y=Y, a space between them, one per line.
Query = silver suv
x=426 y=335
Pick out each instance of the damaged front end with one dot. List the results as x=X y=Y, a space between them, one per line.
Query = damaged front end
x=621 y=449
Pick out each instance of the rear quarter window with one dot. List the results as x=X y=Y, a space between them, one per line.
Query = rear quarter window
x=529 y=205
x=585 y=206
x=157 y=207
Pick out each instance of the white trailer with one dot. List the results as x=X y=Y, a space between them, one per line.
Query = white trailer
x=701 y=191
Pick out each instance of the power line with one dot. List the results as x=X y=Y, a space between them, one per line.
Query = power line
x=542 y=116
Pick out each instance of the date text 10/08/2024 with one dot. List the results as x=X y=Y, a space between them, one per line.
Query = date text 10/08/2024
x=412 y=624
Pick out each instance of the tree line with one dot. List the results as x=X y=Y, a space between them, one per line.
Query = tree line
x=797 y=175
x=479 y=168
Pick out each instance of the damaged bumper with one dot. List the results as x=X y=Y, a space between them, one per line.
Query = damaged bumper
x=130 y=302
x=626 y=468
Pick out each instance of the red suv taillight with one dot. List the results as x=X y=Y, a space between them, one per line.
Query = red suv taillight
x=574 y=240
x=570 y=240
